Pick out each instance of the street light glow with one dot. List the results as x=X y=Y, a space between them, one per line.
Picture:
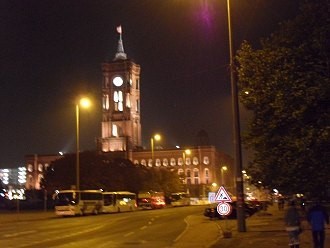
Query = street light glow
x=157 y=137
x=85 y=102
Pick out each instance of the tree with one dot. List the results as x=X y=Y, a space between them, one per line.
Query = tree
x=110 y=174
x=286 y=85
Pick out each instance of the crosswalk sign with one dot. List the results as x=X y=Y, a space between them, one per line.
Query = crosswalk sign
x=222 y=195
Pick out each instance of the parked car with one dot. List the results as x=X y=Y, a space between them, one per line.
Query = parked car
x=211 y=211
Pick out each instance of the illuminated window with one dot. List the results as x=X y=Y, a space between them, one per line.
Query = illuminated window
x=180 y=161
x=136 y=162
x=144 y=162
x=195 y=161
x=128 y=100
x=165 y=162
x=30 y=167
x=173 y=162
x=196 y=176
x=158 y=162
x=188 y=161
x=114 y=130
x=106 y=101
x=150 y=162
x=206 y=160
x=180 y=172
x=137 y=107
x=40 y=167
x=118 y=100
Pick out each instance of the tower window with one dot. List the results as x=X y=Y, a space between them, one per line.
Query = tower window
x=106 y=101
x=137 y=84
x=128 y=100
x=118 y=100
x=114 y=130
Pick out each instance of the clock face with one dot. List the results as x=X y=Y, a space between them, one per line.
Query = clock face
x=117 y=81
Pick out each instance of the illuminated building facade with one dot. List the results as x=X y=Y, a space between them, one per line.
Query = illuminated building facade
x=121 y=135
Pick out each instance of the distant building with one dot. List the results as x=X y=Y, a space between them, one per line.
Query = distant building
x=35 y=166
x=13 y=183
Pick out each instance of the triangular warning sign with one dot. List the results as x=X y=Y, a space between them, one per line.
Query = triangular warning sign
x=222 y=195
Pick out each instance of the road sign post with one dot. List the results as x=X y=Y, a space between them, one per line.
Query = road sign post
x=224 y=208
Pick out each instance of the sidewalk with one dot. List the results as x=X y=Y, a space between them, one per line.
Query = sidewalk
x=265 y=230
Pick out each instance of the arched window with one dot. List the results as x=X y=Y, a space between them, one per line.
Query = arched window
x=158 y=162
x=144 y=162
x=173 y=162
x=195 y=161
x=165 y=162
x=180 y=161
x=188 y=173
x=118 y=100
x=150 y=162
x=196 y=176
x=206 y=160
x=206 y=172
x=114 y=130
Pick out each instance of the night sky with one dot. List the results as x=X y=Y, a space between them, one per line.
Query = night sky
x=51 y=51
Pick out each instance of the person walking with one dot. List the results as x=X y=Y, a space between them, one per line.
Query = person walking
x=292 y=223
x=317 y=216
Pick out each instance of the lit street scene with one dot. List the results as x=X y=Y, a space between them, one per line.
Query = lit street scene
x=143 y=123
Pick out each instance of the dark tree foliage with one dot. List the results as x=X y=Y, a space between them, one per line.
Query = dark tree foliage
x=288 y=87
x=100 y=172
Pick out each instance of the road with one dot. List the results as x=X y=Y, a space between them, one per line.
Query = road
x=147 y=228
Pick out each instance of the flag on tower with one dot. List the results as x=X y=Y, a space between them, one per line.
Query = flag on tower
x=119 y=29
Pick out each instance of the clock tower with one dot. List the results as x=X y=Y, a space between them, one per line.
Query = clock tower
x=121 y=127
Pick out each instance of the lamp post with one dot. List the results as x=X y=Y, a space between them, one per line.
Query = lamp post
x=236 y=133
x=156 y=137
x=85 y=103
x=223 y=168
x=185 y=152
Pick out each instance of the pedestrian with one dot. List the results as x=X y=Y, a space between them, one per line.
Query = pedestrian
x=292 y=225
x=317 y=216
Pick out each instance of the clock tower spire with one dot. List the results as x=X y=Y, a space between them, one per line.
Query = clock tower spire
x=121 y=127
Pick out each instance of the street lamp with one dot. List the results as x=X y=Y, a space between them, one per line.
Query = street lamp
x=236 y=134
x=84 y=103
x=185 y=152
x=223 y=168
x=156 y=137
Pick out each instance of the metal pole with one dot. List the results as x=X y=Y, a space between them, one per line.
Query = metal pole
x=236 y=134
x=152 y=149
x=77 y=151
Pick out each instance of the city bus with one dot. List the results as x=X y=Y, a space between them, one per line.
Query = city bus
x=78 y=202
x=120 y=201
x=180 y=199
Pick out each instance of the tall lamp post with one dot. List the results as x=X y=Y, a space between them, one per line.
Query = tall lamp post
x=84 y=103
x=156 y=137
x=223 y=169
x=236 y=133
x=186 y=152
